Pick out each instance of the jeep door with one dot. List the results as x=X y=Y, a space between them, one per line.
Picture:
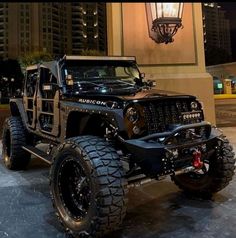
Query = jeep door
x=29 y=98
x=48 y=103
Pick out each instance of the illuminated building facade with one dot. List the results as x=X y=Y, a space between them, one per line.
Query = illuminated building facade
x=57 y=28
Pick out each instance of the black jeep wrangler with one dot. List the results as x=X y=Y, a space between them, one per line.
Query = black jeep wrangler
x=107 y=127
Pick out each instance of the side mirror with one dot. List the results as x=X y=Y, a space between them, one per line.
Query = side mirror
x=138 y=82
x=69 y=80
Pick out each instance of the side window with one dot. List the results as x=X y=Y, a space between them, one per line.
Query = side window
x=46 y=77
x=31 y=80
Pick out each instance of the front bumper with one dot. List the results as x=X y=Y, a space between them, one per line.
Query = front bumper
x=164 y=153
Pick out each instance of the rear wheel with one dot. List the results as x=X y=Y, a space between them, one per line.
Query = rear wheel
x=88 y=187
x=13 y=138
x=215 y=175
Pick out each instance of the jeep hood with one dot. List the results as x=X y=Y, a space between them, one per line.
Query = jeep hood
x=144 y=95
x=154 y=94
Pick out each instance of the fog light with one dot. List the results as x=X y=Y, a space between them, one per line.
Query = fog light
x=136 y=130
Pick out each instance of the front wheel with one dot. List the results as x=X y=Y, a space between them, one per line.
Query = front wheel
x=217 y=173
x=88 y=187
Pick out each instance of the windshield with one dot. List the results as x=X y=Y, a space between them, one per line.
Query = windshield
x=103 y=76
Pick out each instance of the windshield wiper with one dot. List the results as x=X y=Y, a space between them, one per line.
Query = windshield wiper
x=90 y=83
x=107 y=86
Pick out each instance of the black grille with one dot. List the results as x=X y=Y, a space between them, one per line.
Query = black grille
x=162 y=116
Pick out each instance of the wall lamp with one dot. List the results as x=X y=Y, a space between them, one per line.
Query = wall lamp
x=164 y=20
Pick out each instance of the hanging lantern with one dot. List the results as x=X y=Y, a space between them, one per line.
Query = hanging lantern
x=164 y=20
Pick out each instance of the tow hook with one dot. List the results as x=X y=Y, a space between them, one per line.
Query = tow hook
x=197 y=163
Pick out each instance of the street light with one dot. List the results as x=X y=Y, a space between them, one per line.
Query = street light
x=164 y=20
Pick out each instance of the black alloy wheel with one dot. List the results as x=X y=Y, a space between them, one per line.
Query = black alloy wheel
x=74 y=188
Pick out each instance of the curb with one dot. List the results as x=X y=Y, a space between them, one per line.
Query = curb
x=225 y=96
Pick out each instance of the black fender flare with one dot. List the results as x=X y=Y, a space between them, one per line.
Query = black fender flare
x=17 y=109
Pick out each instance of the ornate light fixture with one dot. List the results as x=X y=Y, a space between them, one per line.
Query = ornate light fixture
x=164 y=20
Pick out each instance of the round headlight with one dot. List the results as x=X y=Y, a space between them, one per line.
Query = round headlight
x=132 y=114
x=194 y=105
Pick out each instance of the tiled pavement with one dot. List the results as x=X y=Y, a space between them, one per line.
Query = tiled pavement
x=156 y=210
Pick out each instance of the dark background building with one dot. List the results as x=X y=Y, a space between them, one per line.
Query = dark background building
x=56 y=28
x=216 y=28
x=88 y=26
x=230 y=10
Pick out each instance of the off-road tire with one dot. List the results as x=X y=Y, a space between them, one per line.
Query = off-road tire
x=13 y=138
x=220 y=173
x=101 y=166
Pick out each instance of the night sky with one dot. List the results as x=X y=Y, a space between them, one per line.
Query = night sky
x=230 y=8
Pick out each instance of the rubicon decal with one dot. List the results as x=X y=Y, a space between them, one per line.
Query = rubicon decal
x=94 y=102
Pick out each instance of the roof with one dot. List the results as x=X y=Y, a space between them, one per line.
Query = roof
x=47 y=64
x=52 y=64
x=74 y=57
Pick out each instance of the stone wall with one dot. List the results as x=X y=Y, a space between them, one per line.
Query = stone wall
x=4 y=113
